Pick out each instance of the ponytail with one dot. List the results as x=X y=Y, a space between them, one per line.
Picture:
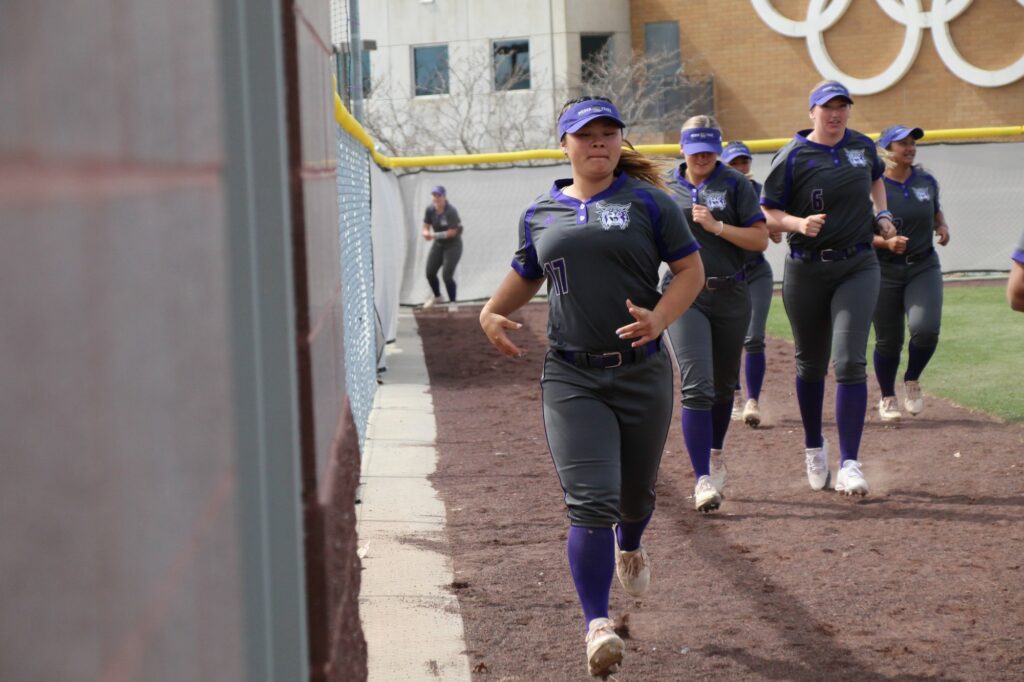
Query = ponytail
x=636 y=165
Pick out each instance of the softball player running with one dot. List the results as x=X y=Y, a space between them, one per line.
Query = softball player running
x=760 y=283
x=1015 y=283
x=599 y=238
x=442 y=225
x=911 y=276
x=825 y=189
x=708 y=338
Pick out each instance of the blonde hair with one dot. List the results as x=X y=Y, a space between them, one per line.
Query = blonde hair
x=631 y=162
x=701 y=121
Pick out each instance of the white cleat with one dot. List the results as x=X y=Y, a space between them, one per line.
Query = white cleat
x=889 y=410
x=706 y=497
x=914 y=402
x=737 y=406
x=752 y=414
x=850 y=480
x=431 y=302
x=633 y=570
x=453 y=307
x=817 y=466
x=719 y=474
x=604 y=648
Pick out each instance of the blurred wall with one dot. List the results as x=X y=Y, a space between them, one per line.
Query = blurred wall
x=176 y=444
x=120 y=551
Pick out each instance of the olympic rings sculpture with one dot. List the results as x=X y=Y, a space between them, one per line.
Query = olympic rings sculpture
x=823 y=14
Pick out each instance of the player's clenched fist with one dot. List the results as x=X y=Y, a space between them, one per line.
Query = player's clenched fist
x=812 y=224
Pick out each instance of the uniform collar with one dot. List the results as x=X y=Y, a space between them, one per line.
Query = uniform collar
x=801 y=137
x=681 y=175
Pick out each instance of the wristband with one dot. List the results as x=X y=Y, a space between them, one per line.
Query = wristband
x=884 y=214
x=721 y=229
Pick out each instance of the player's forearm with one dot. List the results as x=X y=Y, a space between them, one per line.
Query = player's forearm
x=513 y=293
x=780 y=221
x=1015 y=287
x=687 y=282
x=752 y=238
x=878 y=198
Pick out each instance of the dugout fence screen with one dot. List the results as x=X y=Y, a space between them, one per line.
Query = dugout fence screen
x=981 y=190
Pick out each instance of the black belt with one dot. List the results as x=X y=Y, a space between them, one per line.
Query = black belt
x=611 y=359
x=718 y=283
x=828 y=255
x=753 y=262
x=906 y=259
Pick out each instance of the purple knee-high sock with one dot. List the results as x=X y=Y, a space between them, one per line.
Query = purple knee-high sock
x=697 y=436
x=592 y=563
x=885 y=372
x=810 y=396
x=917 y=360
x=851 y=406
x=721 y=415
x=753 y=370
x=630 y=532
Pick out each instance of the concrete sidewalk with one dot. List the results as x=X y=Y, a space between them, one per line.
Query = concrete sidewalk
x=412 y=622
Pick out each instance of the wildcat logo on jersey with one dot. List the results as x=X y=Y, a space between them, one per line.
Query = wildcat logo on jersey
x=922 y=194
x=613 y=215
x=715 y=200
x=856 y=157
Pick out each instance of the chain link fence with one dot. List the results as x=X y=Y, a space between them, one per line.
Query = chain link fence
x=358 y=311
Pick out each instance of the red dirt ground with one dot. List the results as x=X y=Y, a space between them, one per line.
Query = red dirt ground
x=922 y=580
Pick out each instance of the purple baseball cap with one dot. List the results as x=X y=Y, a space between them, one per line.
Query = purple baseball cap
x=735 y=150
x=439 y=190
x=582 y=113
x=898 y=132
x=697 y=140
x=826 y=92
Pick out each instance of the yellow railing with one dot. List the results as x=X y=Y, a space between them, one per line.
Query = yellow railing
x=352 y=126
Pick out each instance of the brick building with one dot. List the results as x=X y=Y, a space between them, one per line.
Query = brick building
x=762 y=78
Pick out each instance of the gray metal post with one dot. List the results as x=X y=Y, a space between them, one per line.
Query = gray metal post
x=265 y=391
x=355 y=51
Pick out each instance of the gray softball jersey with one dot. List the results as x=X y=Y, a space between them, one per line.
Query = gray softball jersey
x=444 y=220
x=596 y=254
x=731 y=198
x=808 y=178
x=914 y=204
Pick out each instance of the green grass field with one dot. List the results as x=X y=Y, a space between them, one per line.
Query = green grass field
x=980 y=359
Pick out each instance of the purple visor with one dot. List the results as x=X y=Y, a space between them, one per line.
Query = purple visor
x=828 y=92
x=439 y=190
x=582 y=113
x=697 y=140
x=735 y=150
x=898 y=132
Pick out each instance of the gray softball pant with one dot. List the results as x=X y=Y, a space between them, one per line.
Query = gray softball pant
x=830 y=306
x=443 y=252
x=708 y=341
x=913 y=290
x=760 y=285
x=606 y=429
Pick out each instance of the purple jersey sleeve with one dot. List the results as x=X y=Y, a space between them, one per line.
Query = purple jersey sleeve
x=1018 y=254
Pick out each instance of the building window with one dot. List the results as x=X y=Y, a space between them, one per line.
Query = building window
x=511 y=65
x=431 y=66
x=661 y=47
x=594 y=53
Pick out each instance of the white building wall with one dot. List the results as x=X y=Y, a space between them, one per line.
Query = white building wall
x=469 y=27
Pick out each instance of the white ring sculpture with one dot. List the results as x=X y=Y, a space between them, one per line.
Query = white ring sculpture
x=823 y=15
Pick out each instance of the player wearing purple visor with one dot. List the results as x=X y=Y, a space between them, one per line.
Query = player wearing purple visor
x=708 y=338
x=825 y=191
x=598 y=240
x=760 y=286
x=911 y=289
